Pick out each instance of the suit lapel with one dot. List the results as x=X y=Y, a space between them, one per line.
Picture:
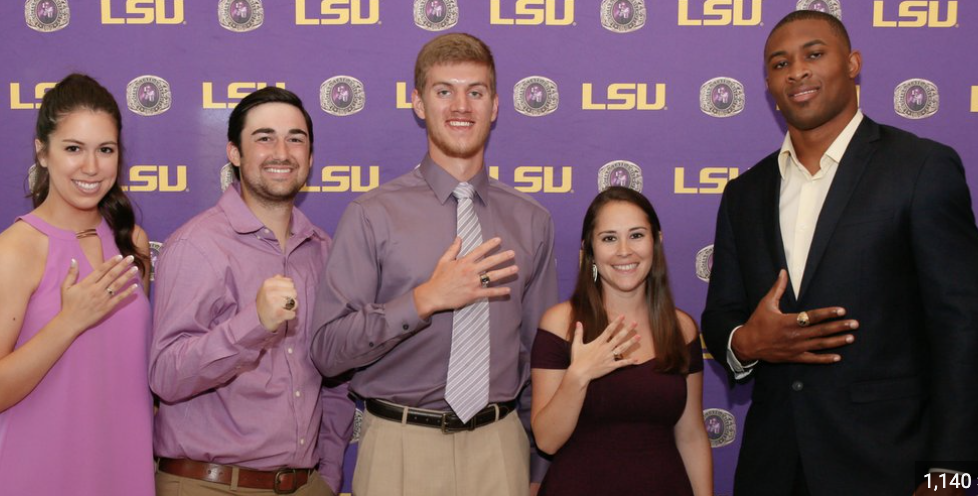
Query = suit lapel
x=851 y=169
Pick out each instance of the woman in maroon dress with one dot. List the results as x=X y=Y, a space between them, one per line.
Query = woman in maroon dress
x=618 y=369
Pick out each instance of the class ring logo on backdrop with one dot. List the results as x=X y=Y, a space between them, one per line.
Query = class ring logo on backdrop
x=704 y=263
x=721 y=427
x=342 y=96
x=620 y=173
x=916 y=99
x=148 y=95
x=240 y=15
x=435 y=15
x=536 y=96
x=46 y=15
x=831 y=7
x=227 y=176
x=154 y=254
x=623 y=16
x=722 y=97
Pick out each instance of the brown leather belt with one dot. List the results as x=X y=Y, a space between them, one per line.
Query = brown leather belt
x=446 y=421
x=282 y=481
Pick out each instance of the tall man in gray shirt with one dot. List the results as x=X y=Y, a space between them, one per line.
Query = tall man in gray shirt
x=436 y=323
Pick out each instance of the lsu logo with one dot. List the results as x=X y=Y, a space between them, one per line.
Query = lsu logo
x=403 y=96
x=235 y=92
x=539 y=178
x=625 y=96
x=916 y=14
x=974 y=98
x=144 y=12
x=721 y=13
x=337 y=12
x=18 y=102
x=342 y=178
x=712 y=180
x=533 y=13
x=157 y=178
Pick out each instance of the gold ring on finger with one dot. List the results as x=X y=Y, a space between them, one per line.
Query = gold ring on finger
x=110 y=291
x=803 y=319
x=618 y=356
x=289 y=303
x=484 y=279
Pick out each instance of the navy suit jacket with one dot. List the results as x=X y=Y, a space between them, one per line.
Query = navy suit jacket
x=895 y=245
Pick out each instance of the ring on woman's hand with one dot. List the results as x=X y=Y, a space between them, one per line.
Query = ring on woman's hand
x=484 y=279
x=803 y=320
x=618 y=356
x=289 y=303
x=110 y=291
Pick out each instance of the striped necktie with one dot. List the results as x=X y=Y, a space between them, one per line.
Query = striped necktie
x=467 y=388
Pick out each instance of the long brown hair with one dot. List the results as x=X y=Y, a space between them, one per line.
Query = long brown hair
x=587 y=302
x=81 y=92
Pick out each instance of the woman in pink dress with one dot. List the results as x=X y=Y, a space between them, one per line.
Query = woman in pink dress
x=75 y=408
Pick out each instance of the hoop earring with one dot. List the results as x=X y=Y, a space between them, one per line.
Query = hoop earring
x=594 y=272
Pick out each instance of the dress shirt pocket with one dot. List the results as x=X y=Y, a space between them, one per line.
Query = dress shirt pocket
x=886 y=389
x=866 y=217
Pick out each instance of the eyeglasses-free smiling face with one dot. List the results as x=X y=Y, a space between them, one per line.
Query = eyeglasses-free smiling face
x=623 y=247
x=811 y=75
x=458 y=108
x=82 y=159
x=275 y=153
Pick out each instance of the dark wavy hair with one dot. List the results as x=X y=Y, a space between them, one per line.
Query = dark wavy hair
x=587 y=302
x=80 y=92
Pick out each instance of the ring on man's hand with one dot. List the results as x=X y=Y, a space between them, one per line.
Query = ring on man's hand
x=289 y=303
x=617 y=356
x=484 y=279
x=110 y=291
x=803 y=320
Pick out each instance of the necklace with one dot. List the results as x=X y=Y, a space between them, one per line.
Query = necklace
x=86 y=233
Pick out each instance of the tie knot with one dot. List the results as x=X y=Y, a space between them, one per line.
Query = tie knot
x=463 y=191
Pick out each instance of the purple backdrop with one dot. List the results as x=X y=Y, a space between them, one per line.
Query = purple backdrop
x=625 y=92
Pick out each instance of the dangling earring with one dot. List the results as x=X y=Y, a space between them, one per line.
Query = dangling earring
x=594 y=272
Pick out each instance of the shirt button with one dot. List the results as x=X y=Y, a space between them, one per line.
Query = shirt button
x=405 y=327
x=797 y=385
x=302 y=441
x=298 y=393
x=371 y=344
x=289 y=350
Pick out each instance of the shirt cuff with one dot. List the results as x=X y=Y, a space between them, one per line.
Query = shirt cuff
x=248 y=331
x=403 y=315
x=740 y=370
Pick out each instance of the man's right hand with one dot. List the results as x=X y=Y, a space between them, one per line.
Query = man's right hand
x=456 y=282
x=772 y=336
x=273 y=295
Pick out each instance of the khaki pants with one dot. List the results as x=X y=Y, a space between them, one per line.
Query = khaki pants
x=172 y=485
x=398 y=459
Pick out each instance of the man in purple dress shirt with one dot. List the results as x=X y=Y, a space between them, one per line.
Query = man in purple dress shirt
x=395 y=279
x=242 y=407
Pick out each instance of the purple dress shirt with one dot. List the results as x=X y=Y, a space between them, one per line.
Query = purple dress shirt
x=231 y=392
x=387 y=243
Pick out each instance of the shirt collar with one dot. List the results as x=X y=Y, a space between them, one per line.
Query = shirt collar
x=443 y=183
x=243 y=220
x=835 y=151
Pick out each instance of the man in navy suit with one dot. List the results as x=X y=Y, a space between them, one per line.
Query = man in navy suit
x=845 y=284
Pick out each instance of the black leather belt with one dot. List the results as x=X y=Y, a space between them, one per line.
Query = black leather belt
x=446 y=421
